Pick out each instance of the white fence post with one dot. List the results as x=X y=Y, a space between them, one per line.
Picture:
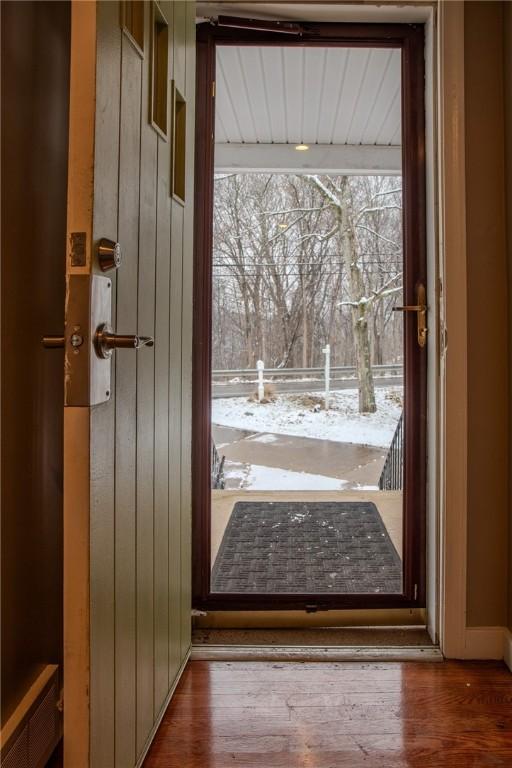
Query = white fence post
x=327 y=371
x=260 y=365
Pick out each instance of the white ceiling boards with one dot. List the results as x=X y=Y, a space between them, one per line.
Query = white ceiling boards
x=343 y=103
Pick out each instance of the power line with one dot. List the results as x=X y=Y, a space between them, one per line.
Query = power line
x=327 y=257
x=252 y=265
x=282 y=271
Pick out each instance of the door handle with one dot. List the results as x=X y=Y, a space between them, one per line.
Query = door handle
x=90 y=340
x=421 y=311
x=105 y=341
x=53 y=342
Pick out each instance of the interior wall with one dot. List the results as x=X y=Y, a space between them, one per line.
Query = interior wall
x=488 y=336
x=35 y=88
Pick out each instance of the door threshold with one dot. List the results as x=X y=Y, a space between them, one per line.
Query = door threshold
x=376 y=617
x=332 y=653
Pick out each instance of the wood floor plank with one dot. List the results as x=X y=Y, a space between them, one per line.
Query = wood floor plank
x=296 y=715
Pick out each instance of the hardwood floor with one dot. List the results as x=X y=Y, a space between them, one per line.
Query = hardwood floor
x=302 y=715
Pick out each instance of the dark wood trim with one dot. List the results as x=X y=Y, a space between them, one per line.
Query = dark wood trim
x=323 y=34
x=415 y=271
x=310 y=603
x=410 y=39
x=202 y=323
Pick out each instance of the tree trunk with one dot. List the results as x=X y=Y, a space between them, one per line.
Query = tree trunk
x=363 y=362
x=248 y=331
x=359 y=308
x=377 y=337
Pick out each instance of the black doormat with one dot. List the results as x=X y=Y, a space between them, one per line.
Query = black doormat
x=306 y=547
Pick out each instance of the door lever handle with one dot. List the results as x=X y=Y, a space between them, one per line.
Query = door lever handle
x=105 y=341
x=410 y=308
x=53 y=342
x=421 y=309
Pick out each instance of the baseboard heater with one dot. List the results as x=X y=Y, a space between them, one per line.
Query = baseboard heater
x=32 y=732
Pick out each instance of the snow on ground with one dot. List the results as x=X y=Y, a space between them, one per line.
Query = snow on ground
x=259 y=478
x=264 y=438
x=300 y=414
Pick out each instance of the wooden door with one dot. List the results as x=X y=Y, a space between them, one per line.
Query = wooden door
x=127 y=460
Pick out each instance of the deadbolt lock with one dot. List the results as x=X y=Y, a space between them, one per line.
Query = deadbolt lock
x=89 y=339
x=109 y=254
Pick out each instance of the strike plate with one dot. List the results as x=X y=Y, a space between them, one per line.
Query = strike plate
x=86 y=375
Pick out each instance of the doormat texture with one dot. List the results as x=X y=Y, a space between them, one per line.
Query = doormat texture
x=306 y=547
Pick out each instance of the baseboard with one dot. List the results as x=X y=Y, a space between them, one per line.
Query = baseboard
x=482 y=643
x=203 y=652
x=507 y=648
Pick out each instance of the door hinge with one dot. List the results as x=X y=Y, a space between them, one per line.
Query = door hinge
x=213 y=89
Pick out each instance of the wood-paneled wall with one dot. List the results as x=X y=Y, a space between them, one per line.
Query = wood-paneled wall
x=140 y=439
x=35 y=93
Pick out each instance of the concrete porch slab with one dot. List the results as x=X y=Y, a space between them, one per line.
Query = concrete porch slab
x=389 y=504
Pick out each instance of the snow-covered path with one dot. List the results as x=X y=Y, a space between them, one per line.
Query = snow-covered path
x=301 y=415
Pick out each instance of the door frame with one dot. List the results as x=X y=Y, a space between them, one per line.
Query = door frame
x=410 y=39
x=76 y=506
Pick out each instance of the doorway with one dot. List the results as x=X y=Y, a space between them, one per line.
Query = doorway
x=380 y=66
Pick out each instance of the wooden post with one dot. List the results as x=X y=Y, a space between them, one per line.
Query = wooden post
x=260 y=365
x=327 y=352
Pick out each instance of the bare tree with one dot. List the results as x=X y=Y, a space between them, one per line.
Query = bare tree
x=290 y=254
x=339 y=194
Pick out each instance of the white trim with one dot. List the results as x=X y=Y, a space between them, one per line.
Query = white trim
x=433 y=380
x=401 y=12
x=483 y=643
x=314 y=653
x=347 y=159
x=507 y=648
x=453 y=406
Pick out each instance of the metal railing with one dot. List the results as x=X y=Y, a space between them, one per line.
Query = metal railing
x=217 y=465
x=391 y=478
x=348 y=371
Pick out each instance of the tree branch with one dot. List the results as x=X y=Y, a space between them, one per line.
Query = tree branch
x=377 y=234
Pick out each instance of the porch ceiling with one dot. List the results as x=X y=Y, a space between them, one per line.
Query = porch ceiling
x=343 y=103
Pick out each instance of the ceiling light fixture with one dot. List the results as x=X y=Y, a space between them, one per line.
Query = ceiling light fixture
x=302 y=147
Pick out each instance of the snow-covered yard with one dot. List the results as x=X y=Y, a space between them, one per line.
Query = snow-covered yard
x=302 y=414
x=255 y=477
